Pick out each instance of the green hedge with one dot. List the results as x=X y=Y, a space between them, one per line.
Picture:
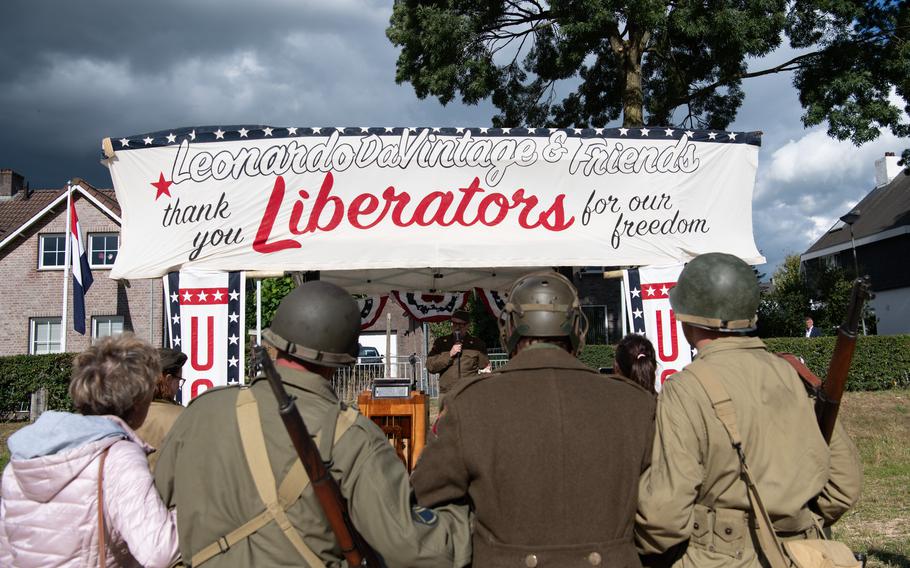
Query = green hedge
x=21 y=375
x=880 y=361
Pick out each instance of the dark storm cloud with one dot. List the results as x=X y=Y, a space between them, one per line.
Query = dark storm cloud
x=77 y=71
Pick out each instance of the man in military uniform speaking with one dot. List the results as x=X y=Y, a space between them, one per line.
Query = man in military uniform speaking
x=693 y=497
x=548 y=451
x=242 y=496
x=457 y=355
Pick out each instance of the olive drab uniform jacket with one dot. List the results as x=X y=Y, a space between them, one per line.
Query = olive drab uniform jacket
x=203 y=471
x=693 y=495
x=549 y=452
x=158 y=422
x=473 y=357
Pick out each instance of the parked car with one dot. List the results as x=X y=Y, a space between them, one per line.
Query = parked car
x=368 y=356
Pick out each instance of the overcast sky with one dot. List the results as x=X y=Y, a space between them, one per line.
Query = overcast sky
x=74 y=72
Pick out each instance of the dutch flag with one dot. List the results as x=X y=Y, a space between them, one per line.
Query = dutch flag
x=82 y=275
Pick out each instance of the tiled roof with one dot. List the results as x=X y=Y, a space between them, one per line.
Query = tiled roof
x=20 y=208
x=883 y=209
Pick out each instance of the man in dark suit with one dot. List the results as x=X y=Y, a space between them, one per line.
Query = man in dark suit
x=811 y=330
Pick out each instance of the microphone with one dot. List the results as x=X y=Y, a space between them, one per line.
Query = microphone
x=458 y=339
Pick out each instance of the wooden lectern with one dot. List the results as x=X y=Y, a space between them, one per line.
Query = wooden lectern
x=404 y=421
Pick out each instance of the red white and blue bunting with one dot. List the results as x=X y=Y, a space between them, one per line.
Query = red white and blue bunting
x=426 y=307
x=370 y=309
x=492 y=300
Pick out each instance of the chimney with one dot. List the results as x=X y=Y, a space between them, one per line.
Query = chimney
x=10 y=183
x=886 y=169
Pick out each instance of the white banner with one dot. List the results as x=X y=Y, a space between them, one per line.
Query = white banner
x=205 y=311
x=649 y=313
x=277 y=199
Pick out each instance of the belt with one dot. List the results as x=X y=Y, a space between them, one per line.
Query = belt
x=729 y=531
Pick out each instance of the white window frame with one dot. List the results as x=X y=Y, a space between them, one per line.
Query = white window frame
x=108 y=321
x=41 y=241
x=91 y=251
x=33 y=339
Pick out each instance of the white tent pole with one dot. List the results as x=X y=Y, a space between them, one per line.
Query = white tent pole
x=258 y=311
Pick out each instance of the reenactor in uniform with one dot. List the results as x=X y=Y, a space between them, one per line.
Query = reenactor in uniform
x=241 y=495
x=693 y=501
x=457 y=355
x=548 y=451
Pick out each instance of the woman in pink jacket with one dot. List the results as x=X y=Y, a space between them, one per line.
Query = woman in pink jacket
x=50 y=489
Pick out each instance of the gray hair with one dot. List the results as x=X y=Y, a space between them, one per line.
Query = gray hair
x=114 y=375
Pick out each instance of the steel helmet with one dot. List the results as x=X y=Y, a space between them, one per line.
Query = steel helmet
x=543 y=304
x=317 y=322
x=716 y=291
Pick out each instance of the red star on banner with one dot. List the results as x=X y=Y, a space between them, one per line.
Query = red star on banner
x=162 y=186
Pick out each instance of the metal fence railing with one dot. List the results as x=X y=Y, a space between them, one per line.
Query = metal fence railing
x=350 y=382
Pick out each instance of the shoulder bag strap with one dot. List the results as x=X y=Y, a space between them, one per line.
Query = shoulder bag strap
x=726 y=413
x=102 y=549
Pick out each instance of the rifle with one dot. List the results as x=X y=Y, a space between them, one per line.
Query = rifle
x=357 y=552
x=828 y=402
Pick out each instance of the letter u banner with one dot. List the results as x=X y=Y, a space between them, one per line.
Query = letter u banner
x=205 y=316
x=649 y=312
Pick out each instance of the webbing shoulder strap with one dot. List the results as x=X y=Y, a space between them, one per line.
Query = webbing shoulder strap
x=293 y=485
x=723 y=407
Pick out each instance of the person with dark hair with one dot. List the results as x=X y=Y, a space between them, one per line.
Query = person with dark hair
x=635 y=359
x=546 y=450
x=164 y=410
x=67 y=465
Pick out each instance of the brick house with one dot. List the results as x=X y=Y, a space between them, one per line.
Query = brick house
x=32 y=229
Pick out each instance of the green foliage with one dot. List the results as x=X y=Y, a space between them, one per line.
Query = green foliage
x=21 y=375
x=575 y=63
x=483 y=325
x=273 y=291
x=597 y=356
x=879 y=362
x=824 y=296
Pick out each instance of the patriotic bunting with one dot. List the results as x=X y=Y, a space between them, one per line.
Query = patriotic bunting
x=370 y=309
x=425 y=307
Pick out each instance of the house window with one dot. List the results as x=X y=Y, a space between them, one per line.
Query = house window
x=106 y=326
x=597 y=324
x=44 y=336
x=51 y=251
x=103 y=249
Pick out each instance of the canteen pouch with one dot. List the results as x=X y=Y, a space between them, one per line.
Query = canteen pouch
x=820 y=553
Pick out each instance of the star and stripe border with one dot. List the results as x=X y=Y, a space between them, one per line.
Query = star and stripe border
x=203 y=134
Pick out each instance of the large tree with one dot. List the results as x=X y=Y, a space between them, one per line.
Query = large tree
x=586 y=62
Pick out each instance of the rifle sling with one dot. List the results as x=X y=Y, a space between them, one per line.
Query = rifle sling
x=292 y=486
x=813 y=383
x=771 y=546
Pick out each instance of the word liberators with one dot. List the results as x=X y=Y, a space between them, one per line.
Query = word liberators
x=426 y=150
x=469 y=206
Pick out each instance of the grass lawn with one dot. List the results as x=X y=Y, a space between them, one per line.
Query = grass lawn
x=879 y=423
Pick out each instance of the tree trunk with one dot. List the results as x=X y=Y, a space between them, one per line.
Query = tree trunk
x=632 y=97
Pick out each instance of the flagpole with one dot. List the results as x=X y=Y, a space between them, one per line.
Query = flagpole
x=66 y=265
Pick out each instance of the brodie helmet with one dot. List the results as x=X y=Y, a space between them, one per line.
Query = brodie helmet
x=716 y=291
x=317 y=322
x=542 y=304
